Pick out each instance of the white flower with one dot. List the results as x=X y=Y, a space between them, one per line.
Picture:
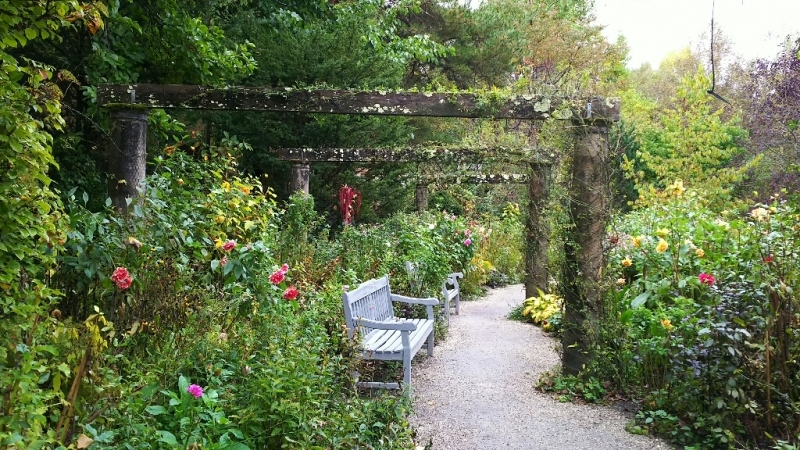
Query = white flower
x=431 y=226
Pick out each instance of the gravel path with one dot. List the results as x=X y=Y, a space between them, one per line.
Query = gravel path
x=477 y=391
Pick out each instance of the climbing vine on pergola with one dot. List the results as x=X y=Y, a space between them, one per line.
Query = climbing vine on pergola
x=129 y=105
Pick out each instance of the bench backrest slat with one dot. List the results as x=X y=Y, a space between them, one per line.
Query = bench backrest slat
x=371 y=300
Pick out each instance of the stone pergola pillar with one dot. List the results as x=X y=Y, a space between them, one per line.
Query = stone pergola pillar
x=585 y=258
x=538 y=230
x=421 y=197
x=301 y=174
x=127 y=154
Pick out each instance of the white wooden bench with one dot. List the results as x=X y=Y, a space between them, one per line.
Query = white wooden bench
x=451 y=293
x=368 y=309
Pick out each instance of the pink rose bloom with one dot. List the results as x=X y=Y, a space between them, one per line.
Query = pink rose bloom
x=276 y=277
x=285 y=268
x=707 y=278
x=290 y=293
x=223 y=261
x=121 y=278
x=229 y=245
x=467 y=242
x=467 y=233
x=195 y=390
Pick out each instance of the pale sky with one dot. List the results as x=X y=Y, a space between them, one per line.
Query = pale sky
x=654 y=28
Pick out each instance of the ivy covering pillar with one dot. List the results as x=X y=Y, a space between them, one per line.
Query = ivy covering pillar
x=537 y=230
x=127 y=154
x=585 y=258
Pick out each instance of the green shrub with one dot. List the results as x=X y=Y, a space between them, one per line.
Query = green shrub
x=703 y=320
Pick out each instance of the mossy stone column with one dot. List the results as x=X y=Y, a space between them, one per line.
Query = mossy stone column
x=301 y=175
x=127 y=154
x=537 y=230
x=584 y=255
x=421 y=197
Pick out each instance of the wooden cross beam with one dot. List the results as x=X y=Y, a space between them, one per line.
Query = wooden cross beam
x=436 y=153
x=323 y=101
x=496 y=178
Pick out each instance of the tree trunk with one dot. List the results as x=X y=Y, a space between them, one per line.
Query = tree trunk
x=421 y=197
x=585 y=258
x=127 y=155
x=538 y=231
x=301 y=175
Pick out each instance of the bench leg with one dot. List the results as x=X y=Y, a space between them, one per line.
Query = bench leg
x=430 y=343
x=458 y=302
x=406 y=369
x=447 y=312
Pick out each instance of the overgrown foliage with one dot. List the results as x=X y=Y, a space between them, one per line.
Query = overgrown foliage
x=703 y=320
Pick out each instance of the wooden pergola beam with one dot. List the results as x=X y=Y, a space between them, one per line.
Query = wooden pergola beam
x=409 y=154
x=496 y=178
x=391 y=103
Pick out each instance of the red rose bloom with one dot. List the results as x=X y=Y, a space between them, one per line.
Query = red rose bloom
x=122 y=278
x=290 y=293
x=276 y=277
x=229 y=245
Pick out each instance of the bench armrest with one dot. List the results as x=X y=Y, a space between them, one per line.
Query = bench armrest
x=415 y=301
x=456 y=275
x=398 y=325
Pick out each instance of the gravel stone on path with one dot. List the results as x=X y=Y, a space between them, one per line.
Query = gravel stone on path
x=478 y=390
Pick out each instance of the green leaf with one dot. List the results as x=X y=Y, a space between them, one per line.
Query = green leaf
x=156 y=410
x=626 y=316
x=183 y=384
x=214 y=264
x=640 y=300
x=167 y=438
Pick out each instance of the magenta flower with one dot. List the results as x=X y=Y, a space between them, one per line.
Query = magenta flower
x=285 y=268
x=229 y=245
x=276 y=277
x=195 y=390
x=467 y=242
x=223 y=261
x=707 y=278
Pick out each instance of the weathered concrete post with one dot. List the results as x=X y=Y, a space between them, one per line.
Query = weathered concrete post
x=301 y=174
x=537 y=230
x=127 y=154
x=421 y=197
x=585 y=258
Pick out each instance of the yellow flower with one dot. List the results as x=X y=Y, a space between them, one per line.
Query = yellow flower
x=227 y=186
x=219 y=219
x=662 y=232
x=677 y=187
x=637 y=241
x=700 y=253
x=245 y=190
x=662 y=246
x=627 y=262
x=621 y=281
x=219 y=243
x=666 y=324
x=760 y=214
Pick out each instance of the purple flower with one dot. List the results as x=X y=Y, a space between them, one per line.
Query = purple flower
x=195 y=390
x=467 y=242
